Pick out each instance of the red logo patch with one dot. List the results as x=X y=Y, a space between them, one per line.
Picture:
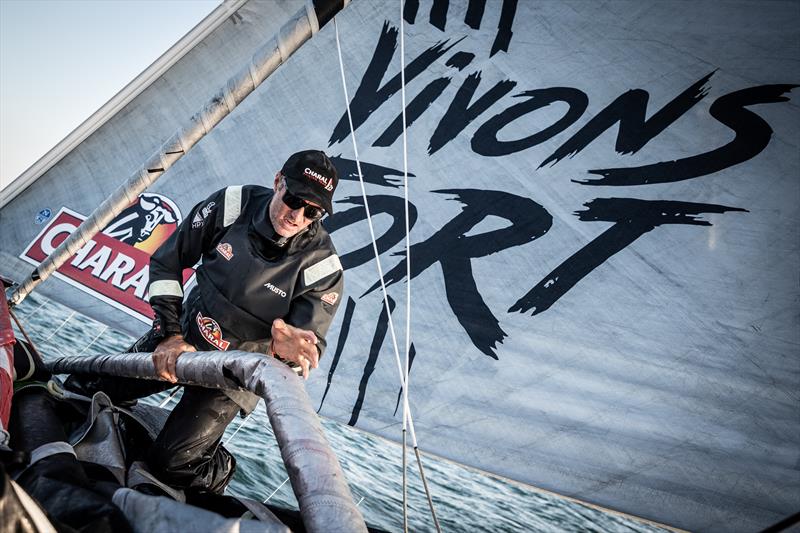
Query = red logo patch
x=330 y=298
x=225 y=250
x=211 y=332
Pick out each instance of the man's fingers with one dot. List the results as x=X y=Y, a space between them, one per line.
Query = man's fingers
x=172 y=364
x=165 y=362
x=304 y=364
x=312 y=355
x=279 y=326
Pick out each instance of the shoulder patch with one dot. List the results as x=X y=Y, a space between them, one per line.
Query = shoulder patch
x=233 y=205
x=324 y=268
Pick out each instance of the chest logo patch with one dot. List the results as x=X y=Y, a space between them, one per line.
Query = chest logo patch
x=211 y=332
x=276 y=290
x=330 y=298
x=225 y=250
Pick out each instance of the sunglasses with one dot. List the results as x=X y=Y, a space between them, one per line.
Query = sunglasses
x=311 y=212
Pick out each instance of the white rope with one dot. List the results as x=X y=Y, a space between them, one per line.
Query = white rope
x=59 y=327
x=241 y=425
x=408 y=263
x=168 y=398
x=103 y=330
x=31 y=313
x=276 y=490
x=407 y=416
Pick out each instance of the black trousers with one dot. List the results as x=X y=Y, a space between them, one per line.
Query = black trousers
x=187 y=453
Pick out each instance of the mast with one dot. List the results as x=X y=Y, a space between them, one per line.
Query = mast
x=266 y=60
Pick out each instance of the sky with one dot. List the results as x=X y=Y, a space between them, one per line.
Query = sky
x=61 y=60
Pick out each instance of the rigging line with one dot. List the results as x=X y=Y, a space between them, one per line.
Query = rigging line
x=366 y=208
x=408 y=261
x=241 y=425
x=59 y=327
x=406 y=387
x=168 y=398
x=30 y=343
x=35 y=309
x=24 y=333
x=427 y=492
x=380 y=270
x=105 y=327
x=276 y=490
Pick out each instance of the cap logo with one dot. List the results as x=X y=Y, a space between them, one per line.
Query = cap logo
x=326 y=182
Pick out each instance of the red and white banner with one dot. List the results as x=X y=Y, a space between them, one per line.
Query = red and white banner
x=114 y=270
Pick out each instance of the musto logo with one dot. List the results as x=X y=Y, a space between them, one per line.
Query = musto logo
x=114 y=265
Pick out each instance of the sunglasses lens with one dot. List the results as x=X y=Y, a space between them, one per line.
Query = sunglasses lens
x=313 y=213
x=295 y=202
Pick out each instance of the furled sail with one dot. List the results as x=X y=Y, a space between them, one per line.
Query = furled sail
x=604 y=234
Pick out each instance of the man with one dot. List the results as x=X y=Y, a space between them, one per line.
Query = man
x=270 y=281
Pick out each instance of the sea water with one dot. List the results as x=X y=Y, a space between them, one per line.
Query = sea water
x=464 y=500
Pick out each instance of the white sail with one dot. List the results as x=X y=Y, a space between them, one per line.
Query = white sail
x=605 y=254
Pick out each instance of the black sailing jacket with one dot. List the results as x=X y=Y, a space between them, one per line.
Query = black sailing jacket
x=243 y=283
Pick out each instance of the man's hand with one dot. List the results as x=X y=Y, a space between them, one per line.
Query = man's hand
x=296 y=345
x=166 y=354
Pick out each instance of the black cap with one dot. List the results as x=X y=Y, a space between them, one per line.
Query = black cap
x=311 y=176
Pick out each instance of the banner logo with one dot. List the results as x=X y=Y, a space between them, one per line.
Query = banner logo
x=114 y=266
x=146 y=223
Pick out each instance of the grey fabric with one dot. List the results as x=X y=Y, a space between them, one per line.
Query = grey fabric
x=326 y=503
x=258 y=510
x=51 y=448
x=99 y=440
x=139 y=475
x=155 y=514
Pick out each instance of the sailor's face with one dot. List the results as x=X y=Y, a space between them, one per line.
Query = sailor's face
x=286 y=222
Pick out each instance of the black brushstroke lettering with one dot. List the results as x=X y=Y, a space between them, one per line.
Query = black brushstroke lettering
x=635 y=130
x=460 y=60
x=343 y=332
x=474 y=13
x=633 y=218
x=370 y=96
x=374 y=350
x=422 y=101
x=504 y=33
x=485 y=142
x=410 y=10
x=451 y=247
x=412 y=353
x=391 y=205
x=417 y=107
x=438 y=15
x=752 y=135
x=460 y=113
x=376 y=174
